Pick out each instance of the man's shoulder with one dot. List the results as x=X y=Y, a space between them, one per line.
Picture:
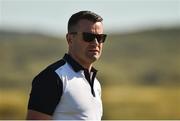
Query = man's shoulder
x=54 y=66
x=49 y=71
x=47 y=89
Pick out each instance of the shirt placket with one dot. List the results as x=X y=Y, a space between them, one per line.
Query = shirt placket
x=90 y=78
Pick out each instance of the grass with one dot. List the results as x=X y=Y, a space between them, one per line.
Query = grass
x=141 y=102
x=13 y=104
x=119 y=102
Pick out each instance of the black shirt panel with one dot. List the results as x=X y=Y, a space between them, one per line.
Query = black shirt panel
x=46 y=90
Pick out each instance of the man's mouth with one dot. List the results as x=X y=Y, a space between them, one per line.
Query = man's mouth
x=93 y=50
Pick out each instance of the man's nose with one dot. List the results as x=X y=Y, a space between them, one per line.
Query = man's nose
x=95 y=41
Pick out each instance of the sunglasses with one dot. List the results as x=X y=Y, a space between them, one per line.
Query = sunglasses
x=89 y=37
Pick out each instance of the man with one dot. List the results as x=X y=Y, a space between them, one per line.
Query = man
x=68 y=89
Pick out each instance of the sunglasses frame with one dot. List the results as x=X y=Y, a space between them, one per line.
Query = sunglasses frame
x=89 y=37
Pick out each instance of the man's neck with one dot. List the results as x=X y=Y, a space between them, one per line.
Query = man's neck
x=84 y=64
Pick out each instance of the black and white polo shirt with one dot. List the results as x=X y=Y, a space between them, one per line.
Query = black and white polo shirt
x=66 y=90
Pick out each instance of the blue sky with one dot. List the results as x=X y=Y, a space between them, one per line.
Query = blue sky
x=51 y=16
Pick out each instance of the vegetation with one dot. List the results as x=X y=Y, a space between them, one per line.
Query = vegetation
x=139 y=72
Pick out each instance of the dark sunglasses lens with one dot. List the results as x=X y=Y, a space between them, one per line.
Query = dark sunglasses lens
x=88 y=37
x=101 y=38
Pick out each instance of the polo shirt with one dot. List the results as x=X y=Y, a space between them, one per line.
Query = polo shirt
x=67 y=91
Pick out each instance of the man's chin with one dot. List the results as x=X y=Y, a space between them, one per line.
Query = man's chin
x=94 y=57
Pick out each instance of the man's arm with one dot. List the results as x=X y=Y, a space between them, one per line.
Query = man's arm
x=45 y=95
x=35 y=115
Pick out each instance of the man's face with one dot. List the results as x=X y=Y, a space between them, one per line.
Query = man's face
x=82 y=51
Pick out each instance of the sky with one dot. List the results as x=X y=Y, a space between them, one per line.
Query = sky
x=51 y=16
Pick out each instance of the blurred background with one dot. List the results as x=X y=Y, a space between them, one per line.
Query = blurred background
x=139 y=69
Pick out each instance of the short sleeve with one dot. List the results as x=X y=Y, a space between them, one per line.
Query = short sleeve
x=46 y=92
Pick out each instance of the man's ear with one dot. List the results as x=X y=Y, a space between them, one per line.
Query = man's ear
x=69 y=38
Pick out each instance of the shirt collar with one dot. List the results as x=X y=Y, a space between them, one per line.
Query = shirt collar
x=75 y=65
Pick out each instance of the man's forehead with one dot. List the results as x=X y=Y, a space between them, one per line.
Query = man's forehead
x=85 y=24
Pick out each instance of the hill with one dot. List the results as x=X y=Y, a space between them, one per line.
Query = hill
x=146 y=57
x=139 y=72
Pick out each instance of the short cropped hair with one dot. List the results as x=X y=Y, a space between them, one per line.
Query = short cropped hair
x=75 y=18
